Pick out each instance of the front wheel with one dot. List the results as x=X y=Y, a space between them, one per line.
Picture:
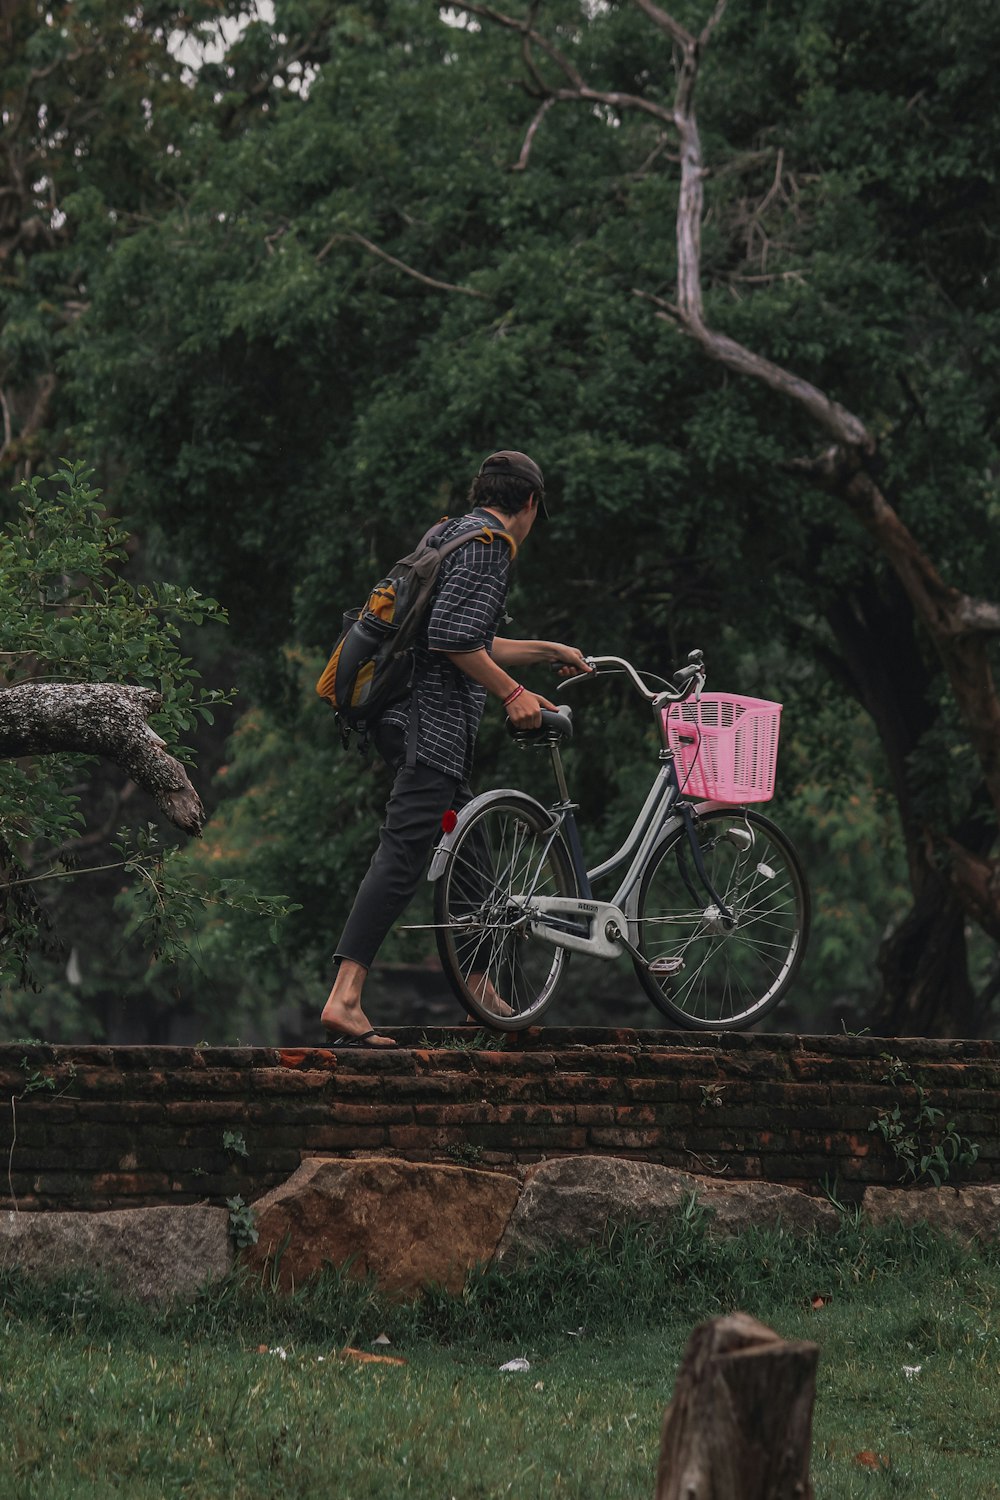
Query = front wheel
x=716 y=974
x=502 y=859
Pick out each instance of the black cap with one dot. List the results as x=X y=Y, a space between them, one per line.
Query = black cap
x=509 y=461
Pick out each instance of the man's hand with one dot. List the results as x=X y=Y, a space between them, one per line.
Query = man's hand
x=525 y=711
x=568 y=661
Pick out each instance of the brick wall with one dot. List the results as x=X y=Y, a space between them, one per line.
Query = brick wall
x=102 y=1127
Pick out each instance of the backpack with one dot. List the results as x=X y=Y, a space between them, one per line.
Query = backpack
x=372 y=663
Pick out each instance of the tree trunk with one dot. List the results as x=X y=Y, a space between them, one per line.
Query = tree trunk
x=100 y=719
x=883 y=667
x=19 y=910
x=739 y=1426
x=926 y=990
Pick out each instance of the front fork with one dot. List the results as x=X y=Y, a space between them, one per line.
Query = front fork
x=726 y=916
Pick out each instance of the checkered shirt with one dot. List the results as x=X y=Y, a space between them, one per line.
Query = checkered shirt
x=467 y=608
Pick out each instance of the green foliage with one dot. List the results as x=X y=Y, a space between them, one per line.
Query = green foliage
x=35 y=1080
x=242 y=1223
x=165 y=905
x=68 y=613
x=626 y=1279
x=926 y=1149
x=238 y=1389
x=233 y=1142
x=283 y=409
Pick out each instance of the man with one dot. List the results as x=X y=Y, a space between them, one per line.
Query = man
x=428 y=739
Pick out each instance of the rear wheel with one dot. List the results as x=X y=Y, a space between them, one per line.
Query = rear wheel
x=715 y=975
x=502 y=859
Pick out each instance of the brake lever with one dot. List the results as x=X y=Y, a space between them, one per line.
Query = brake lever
x=578 y=677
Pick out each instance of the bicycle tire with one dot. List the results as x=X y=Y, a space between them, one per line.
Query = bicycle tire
x=730 y=978
x=479 y=924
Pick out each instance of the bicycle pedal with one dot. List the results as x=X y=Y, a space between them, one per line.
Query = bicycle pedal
x=666 y=966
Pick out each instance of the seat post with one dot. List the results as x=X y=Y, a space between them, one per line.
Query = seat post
x=558 y=772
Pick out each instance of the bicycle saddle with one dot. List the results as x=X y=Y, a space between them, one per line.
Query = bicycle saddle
x=556 y=725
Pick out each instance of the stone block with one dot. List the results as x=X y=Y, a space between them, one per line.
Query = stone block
x=405 y=1223
x=738 y=1206
x=573 y=1200
x=150 y=1253
x=970 y=1212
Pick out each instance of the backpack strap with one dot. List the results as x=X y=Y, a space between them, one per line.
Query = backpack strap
x=496 y=534
x=410 y=743
x=486 y=534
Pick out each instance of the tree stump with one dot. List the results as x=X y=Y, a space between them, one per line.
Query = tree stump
x=739 y=1426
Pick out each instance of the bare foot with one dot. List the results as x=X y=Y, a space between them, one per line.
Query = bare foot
x=482 y=990
x=342 y=1014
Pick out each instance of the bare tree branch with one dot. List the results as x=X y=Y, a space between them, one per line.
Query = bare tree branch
x=976 y=616
x=665 y=22
x=837 y=420
x=580 y=90
x=712 y=22
x=373 y=249
x=669 y=311
x=949 y=613
x=526 y=53
x=8 y=429
x=100 y=719
x=614 y=99
x=528 y=31
x=658 y=150
x=767 y=278
x=522 y=161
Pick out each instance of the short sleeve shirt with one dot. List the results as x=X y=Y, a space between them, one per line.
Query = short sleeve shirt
x=467 y=609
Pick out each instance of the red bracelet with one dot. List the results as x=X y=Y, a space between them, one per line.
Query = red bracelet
x=511 y=696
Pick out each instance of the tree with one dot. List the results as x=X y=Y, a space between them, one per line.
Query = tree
x=374 y=268
x=954 y=876
x=86 y=663
x=95 y=105
x=91 y=98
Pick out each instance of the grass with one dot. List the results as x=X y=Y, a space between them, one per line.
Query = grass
x=98 y=1395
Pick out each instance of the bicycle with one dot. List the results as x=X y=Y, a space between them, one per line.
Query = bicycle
x=712 y=909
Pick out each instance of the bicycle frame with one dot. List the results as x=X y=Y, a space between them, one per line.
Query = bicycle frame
x=662 y=812
x=603 y=928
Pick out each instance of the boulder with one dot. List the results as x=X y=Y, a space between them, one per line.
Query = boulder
x=738 y=1206
x=572 y=1199
x=149 y=1253
x=405 y=1223
x=970 y=1213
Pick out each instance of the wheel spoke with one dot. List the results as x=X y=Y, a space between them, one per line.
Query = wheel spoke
x=502 y=860
x=731 y=975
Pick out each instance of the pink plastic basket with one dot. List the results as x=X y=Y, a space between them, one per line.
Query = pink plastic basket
x=726 y=747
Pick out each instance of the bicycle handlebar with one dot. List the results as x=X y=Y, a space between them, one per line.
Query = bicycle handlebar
x=688 y=679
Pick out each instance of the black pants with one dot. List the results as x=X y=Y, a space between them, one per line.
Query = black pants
x=419 y=799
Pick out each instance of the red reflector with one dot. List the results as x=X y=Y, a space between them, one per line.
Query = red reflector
x=449 y=820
